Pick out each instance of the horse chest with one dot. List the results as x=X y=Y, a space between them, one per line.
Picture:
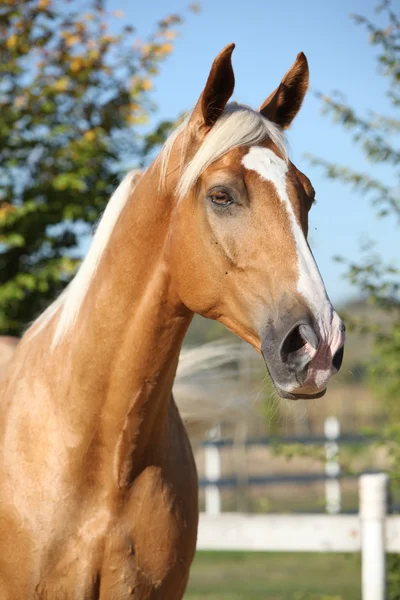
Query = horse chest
x=141 y=550
x=101 y=541
x=118 y=563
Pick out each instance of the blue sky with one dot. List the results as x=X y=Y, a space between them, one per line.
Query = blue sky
x=268 y=36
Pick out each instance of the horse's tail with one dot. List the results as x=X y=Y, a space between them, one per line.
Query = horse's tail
x=212 y=385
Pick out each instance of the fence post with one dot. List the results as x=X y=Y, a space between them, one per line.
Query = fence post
x=212 y=471
x=333 y=495
x=239 y=452
x=373 y=509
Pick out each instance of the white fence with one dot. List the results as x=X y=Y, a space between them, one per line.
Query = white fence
x=331 y=442
x=372 y=532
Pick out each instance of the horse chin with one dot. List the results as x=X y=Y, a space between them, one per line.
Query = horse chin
x=300 y=396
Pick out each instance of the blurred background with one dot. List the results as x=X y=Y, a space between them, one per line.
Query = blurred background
x=89 y=89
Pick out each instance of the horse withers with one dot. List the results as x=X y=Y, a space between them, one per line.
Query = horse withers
x=98 y=487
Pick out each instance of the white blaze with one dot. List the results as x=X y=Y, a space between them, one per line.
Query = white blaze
x=310 y=285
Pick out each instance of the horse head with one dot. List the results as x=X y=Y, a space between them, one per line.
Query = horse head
x=238 y=240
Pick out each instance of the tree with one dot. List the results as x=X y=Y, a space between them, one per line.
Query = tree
x=378 y=137
x=71 y=94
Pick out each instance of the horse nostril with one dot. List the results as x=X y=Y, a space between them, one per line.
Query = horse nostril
x=292 y=343
x=298 y=337
x=309 y=335
x=291 y=355
x=338 y=358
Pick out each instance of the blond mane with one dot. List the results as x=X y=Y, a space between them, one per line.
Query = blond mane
x=71 y=299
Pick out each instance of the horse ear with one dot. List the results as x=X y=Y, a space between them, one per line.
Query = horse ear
x=284 y=103
x=217 y=91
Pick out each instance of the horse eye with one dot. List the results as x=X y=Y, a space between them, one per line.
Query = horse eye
x=220 y=197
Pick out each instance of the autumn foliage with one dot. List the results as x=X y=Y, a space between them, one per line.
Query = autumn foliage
x=73 y=89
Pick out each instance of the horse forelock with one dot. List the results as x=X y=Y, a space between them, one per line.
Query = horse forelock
x=238 y=125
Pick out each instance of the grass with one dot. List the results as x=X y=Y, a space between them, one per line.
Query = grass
x=274 y=576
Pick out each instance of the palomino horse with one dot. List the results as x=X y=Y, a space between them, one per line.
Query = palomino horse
x=98 y=486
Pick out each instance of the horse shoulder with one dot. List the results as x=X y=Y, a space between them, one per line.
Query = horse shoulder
x=159 y=524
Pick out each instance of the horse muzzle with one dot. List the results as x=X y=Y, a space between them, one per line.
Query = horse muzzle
x=302 y=356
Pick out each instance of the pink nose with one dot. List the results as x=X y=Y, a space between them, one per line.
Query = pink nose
x=328 y=358
x=310 y=351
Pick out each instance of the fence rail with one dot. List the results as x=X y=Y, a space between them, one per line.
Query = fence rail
x=373 y=533
x=289 y=533
x=280 y=478
x=309 y=440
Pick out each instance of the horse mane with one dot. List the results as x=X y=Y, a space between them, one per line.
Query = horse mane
x=237 y=126
x=71 y=299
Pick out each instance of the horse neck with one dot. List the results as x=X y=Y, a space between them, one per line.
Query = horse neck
x=124 y=347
